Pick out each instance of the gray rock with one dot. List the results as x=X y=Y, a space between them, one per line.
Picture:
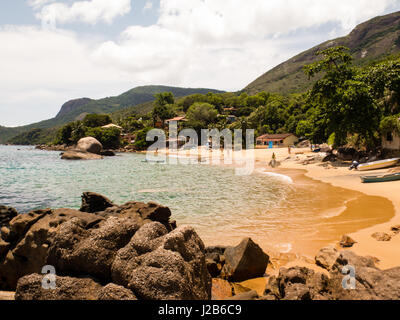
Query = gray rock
x=245 y=261
x=89 y=144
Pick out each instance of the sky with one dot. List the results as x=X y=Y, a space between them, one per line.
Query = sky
x=52 y=51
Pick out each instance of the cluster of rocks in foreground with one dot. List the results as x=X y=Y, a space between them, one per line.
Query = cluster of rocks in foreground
x=134 y=251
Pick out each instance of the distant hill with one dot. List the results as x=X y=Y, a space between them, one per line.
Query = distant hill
x=371 y=40
x=78 y=108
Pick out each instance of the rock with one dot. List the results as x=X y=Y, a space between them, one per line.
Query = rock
x=396 y=229
x=346 y=154
x=107 y=153
x=78 y=251
x=246 y=296
x=112 y=292
x=80 y=155
x=213 y=268
x=94 y=202
x=160 y=266
x=142 y=213
x=67 y=288
x=6 y=215
x=298 y=283
x=90 y=145
x=4 y=247
x=330 y=158
x=221 y=289
x=347 y=242
x=326 y=257
x=381 y=236
x=31 y=236
x=371 y=283
x=244 y=262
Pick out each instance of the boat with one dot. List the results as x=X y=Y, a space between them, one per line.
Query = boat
x=381 y=178
x=382 y=164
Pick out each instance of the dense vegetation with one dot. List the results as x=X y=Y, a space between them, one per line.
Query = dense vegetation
x=90 y=126
x=347 y=105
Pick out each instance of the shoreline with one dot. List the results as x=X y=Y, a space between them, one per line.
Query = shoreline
x=387 y=252
x=367 y=196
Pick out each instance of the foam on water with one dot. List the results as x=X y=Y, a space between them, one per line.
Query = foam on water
x=279 y=176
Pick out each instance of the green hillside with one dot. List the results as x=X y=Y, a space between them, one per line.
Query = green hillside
x=77 y=109
x=372 y=40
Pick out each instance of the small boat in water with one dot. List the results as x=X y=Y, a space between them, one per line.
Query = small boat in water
x=382 y=164
x=381 y=178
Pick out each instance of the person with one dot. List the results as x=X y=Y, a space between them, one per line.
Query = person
x=354 y=165
x=290 y=150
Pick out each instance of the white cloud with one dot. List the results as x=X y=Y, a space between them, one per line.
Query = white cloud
x=90 y=12
x=222 y=44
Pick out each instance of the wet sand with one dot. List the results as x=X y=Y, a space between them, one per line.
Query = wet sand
x=325 y=204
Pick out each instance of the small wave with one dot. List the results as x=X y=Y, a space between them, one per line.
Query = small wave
x=282 y=177
x=284 y=247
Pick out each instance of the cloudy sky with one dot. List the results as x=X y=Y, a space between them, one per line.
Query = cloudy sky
x=52 y=51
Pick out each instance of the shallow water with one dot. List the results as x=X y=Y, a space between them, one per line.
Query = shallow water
x=222 y=206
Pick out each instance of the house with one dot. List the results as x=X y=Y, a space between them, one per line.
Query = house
x=391 y=141
x=111 y=125
x=176 y=119
x=276 y=140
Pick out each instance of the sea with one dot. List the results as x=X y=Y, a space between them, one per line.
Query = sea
x=223 y=207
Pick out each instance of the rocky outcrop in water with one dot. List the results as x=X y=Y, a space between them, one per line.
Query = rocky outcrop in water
x=89 y=144
x=80 y=155
x=121 y=252
x=6 y=215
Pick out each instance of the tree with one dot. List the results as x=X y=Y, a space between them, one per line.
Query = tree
x=162 y=112
x=96 y=120
x=109 y=138
x=204 y=113
x=164 y=98
x=343 y=103
x=140 y=142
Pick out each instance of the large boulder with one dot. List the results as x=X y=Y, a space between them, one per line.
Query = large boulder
x=371 y=283
x=94 y=202
x=298 y=283
x=245 y=261
x=78 y=251
x=80 y=155
x=160 y=266
x=89 y=144
x=67 y=288
x=6 y=215
x=28 y=240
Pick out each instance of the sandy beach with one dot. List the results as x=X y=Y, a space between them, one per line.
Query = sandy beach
x=369 y=208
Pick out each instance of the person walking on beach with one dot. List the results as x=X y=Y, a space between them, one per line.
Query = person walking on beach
x=290 y=150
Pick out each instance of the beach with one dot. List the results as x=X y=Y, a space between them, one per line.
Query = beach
x=365 y=209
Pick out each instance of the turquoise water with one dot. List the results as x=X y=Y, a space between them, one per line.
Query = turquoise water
x=211 y=198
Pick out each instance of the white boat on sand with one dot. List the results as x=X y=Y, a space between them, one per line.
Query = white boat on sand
x=382 y=164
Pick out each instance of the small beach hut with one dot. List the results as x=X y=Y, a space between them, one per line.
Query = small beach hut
x=276 y=140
